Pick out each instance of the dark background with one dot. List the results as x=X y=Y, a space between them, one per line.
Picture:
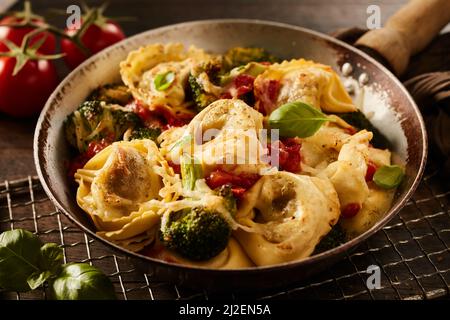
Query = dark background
x=16 y=136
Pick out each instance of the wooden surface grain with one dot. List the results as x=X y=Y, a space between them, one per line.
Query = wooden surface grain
x=16 y=136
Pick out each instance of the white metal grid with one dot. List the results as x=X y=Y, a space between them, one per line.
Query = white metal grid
x=412 y=251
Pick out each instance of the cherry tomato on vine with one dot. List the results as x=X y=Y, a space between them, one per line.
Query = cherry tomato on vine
x=25 y=93
x=96 y=38
x=16 y=35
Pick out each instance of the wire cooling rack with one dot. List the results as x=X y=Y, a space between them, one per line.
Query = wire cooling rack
x=412 y=251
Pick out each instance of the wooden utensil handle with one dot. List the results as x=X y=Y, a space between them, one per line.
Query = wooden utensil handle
x=408 y=31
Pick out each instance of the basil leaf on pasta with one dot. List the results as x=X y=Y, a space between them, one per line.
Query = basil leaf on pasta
x=297 y=119
x=388 y=177
x=164 y=80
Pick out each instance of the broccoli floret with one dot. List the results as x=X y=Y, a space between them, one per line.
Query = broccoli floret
x=145 y=133
x=197 y=234
x=201 y=98
x=239 y=56
x=92 y=112
x=359 y=120
x=206 y=73
x=95 y=120
x=333 y=239
x=122 y=120
x=230 y=201
x=112 y=93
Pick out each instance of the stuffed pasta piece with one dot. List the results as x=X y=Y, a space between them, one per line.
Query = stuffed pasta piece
x=285 y=216
x=301 y=80
x=157 y=76
x=362 y=202
x=114 y=184
x=224 y=135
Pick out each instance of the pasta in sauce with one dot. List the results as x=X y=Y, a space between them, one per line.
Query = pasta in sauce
x=177 y=161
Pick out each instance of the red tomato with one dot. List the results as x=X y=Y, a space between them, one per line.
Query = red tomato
x=25 y=94
x=161 y=117
x=176 y=167
x=148 y=118
x=96 y=38
x=16 y=36
x=266 y=95
x=239 y=183
x=350 y=210
x=371 y=169
x=243 y=84
x=289 y=156
x=93 y=148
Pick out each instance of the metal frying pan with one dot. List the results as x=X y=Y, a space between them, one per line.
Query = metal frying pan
x=396 y=115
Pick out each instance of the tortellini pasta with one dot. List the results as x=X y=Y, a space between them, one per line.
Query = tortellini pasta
x=347 y=174
x=142 y=66
x=323 y=147
x=286 y=215
x=115 y=183
x=225 y=132
x=373 y=209
x=303 y=80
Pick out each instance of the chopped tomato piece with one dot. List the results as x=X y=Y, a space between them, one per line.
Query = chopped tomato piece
x=176 y=167
x=350 y=210
x=266 y=95
x=239 y=183
x=173 y=119
x=147 y=117
x=289 y=154
x=226 y=95
x=161 y=117
x=93 y=148
x=238 y=192
x=241 y=85
x=244 y=80
x=371 y=169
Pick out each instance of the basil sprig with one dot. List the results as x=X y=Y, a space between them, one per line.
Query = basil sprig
x=26 y=264
x=163 y=81
x=297 y=119
x=19 y=259
x=388 y=177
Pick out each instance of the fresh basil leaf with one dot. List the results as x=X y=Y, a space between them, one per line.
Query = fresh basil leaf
x=51 y=257
x=297 y=119
x=19 y=259
x=252 y=69
x=164 y=80
x=388 y=177
x=81 y=281
x=191 y=171
x=36 y=279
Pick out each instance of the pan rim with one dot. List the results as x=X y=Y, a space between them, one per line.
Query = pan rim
x=44 y=178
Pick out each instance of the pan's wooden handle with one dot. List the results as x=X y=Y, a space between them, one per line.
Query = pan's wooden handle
x=408 y=31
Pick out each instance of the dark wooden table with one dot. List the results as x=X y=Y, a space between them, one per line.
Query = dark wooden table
x=16 y=135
